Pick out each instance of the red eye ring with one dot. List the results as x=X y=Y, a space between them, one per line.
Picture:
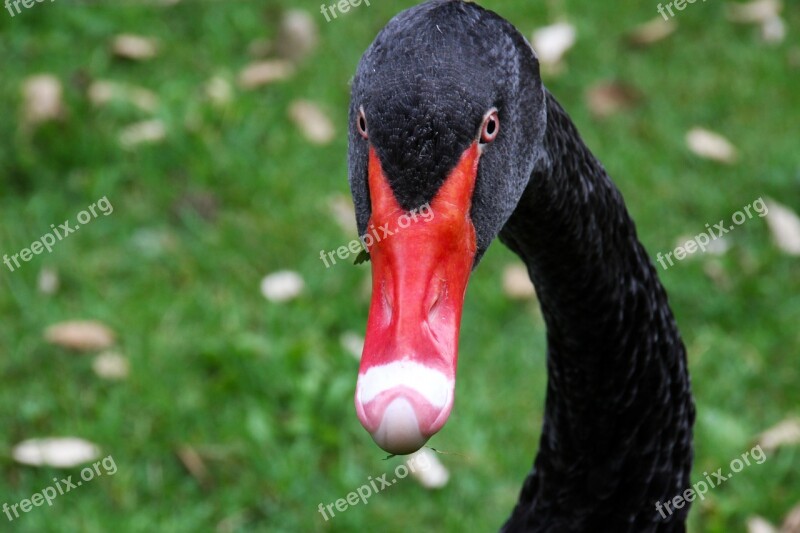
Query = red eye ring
x=361 y=123
x=490 y=127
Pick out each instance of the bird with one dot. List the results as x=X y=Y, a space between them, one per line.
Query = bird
x=448 y=110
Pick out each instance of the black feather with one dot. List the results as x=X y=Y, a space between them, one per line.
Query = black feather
x=617 y=431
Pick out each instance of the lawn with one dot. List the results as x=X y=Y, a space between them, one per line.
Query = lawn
x=261 y=391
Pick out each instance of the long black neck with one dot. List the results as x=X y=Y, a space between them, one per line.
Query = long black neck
x=617 y=430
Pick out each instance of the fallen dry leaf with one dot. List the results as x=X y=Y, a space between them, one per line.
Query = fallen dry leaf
x=134 y=47
x=297 y=36
x=718 y=246
x=710 y=145
x=56 y=452
x=353 y=343
x=282 y=286
x=48 y=281
x=42 y=99
x=716 y=273
x=111 y=365
x=755 y=12
x=219 y=90
x=791 y=524
x=144 y=132
x=194 y=464
x=607 y=98
x=785 y=227
x=103 y=92
x=312 y=121
x=516 y=283
x=552 y=42
x=428 y=469
x=756 y=524
x=785 y=433
x=264 y=72
x=652 y=32
x=81 y=335
x=343 y=212
x=773 y=31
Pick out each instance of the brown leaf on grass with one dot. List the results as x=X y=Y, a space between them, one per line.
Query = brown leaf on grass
x=111 y=365
x=144 y=132
x=786 y=433
x=42 y=99
x=755 y=12
x=265 y=72
x=297 y=36
x=80 y=335
x=765 y=13
x=341 y=207
x=56 y=452
x=756 y=524
x=103 y=92
x=652 y=32
x=785 y=227
x=610 y=97
x=710 y=145
x=516 y=283
x=194 y=464
x=791 y=524
x=552 y=42
x=312 y=121
x=134 y=47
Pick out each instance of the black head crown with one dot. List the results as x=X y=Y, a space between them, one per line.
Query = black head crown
x=422 y=92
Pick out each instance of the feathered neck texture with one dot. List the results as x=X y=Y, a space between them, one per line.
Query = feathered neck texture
x=617 y=430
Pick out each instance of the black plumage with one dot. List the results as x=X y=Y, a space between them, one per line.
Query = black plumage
x=617 y=431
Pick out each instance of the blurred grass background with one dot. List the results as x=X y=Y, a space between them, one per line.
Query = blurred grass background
x=263 y=391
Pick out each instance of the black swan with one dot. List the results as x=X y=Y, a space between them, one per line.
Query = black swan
x=448 y=110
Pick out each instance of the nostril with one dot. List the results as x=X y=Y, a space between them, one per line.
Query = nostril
x=387 y=302
x=437 y=294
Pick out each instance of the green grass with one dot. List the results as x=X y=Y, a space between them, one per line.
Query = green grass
x=263 y=390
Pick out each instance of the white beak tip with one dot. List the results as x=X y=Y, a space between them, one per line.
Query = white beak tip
x=399 y=432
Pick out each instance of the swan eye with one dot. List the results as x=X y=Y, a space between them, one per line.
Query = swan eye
x=361 y=124
x=490 y=128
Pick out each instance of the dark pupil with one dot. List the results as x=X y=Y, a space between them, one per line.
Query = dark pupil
x=490 y=127
x=362 y=124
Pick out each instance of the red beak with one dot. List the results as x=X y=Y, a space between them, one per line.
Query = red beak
x=420 y=269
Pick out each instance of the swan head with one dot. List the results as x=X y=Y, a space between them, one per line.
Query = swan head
x=447 y=117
